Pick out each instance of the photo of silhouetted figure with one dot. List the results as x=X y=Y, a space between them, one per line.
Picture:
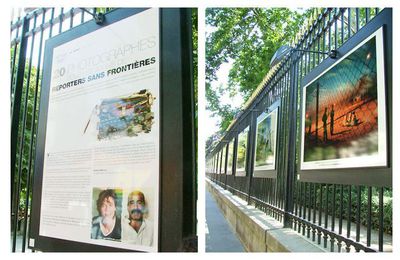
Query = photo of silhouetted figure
x=324 y=121
x=308 y=124
x=332 y=115
x=354 y=119
x=344 y=105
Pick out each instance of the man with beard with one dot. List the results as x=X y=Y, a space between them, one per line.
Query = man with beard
x=136 y=229
x=107 y=225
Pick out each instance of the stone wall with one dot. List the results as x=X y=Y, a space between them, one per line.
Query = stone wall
x=257 y=231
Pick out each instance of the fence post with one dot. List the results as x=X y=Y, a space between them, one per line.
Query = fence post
x=251 y=150
x=290 y=172
x=227 y=163
x=19 y=84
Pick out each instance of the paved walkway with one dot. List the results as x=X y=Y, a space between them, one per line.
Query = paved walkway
x=219 y=235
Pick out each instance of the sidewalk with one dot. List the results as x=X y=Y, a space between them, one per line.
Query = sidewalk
x=219 y=235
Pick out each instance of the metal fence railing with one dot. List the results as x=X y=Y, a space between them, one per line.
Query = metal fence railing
x=30 y=28
x=339 y=217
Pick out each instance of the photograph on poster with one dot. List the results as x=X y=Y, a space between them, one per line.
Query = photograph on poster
x=343 y=119
x=241 y=152
x=106 y=212
x=137 y=226
x=223 y=151
x=266 y=141
x=124 y=116
x=216 y=163
x=230 y=156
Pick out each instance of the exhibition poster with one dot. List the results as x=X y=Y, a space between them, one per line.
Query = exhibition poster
x=101 y=164
x=223 y=151
x=266 y=140
x=344 y=111
x=230 y=156
x=242 y=153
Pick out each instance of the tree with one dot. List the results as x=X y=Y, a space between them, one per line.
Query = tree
x=249 y=37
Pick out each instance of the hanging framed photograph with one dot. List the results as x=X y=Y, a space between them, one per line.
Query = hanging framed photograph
x=223 y=156
x=241 y=155
x=266 y=142
x=344 y=126
x=231 y=147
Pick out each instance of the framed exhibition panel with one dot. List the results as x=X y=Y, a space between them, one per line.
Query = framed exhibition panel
x=218 y=159
x=223 y=159
x=266 y=139
x=345 y=113
x=231 y=149
x=241 y=153
x=218 y=162
x=98 y=178
x=215 y=164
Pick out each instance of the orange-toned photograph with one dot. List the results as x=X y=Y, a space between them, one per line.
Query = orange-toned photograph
x=341 y=115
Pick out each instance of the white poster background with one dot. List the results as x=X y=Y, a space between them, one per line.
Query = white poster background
x=76 y=161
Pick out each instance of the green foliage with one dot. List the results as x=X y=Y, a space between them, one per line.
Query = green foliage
x=103 y=10
x=25 y=133
x=226 y=112
x=387 y=204
x=249 y=37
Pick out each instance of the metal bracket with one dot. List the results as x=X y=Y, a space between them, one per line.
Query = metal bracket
x=332 y=53
x=98 y=18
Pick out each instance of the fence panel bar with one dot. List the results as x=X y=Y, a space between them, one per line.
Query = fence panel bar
x=309 y=210
x=61 y=17
x=304 y=202
x=82 y=17
x=357 y=19
x=71 y=18
x=348 y=23
x=314 y=209
x=358 y=214
x=349 y=212
x=369 y=217
x=336 y=30
x=51 y=22
x=333 y=216
x=381 y=216
x=341 y=210
x=22 y=141
x=326 y=214
x=13 y=67
x=33 y=130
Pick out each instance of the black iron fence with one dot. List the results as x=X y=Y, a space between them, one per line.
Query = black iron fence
x=340 y=217
x=30 y=28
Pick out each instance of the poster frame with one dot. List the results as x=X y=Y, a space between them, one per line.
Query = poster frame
x=175 y=50
x=268 y=173
x=229 y=170
x=374 y=175
x=242 y=171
